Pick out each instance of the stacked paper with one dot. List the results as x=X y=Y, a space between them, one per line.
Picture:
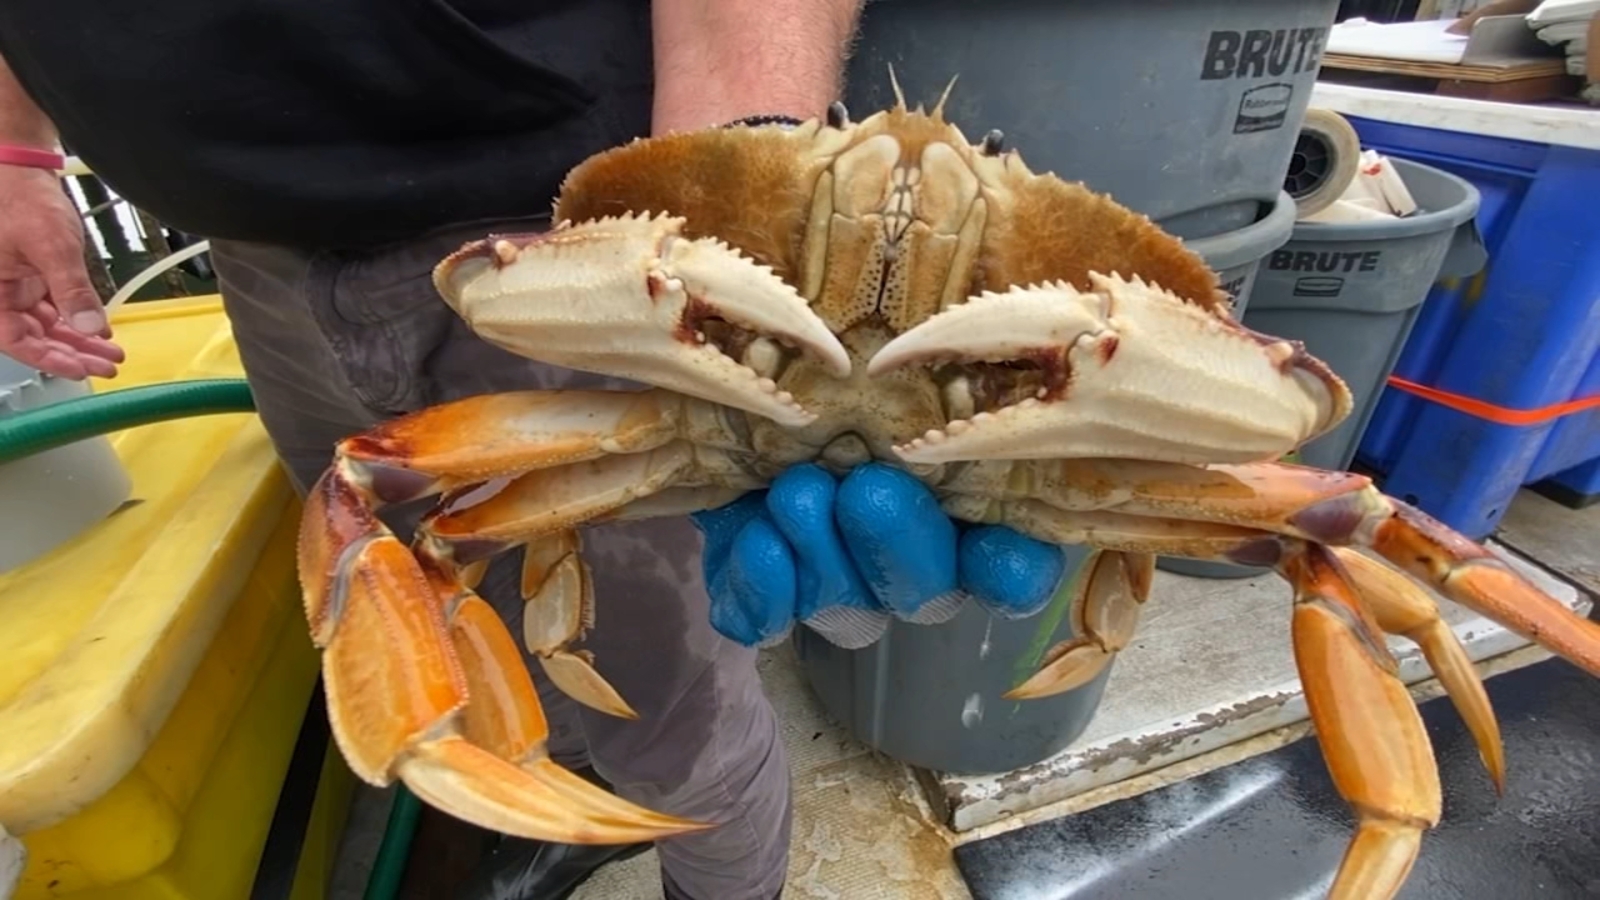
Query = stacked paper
x=1377 y=192
x=1565 y=24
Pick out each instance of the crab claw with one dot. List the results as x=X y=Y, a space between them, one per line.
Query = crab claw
x=1051 y=371
x=630 y=297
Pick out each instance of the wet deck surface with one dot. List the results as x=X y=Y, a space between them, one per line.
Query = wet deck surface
x=1272 y=826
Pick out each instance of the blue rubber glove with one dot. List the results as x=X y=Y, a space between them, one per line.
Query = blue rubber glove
x=844 y=558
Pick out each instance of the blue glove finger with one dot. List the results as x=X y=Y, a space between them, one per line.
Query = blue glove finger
x=749 y=572
x=901 y=541
x=832 y=601
x=721 y=525
x=1011 y=574
x=753 y=596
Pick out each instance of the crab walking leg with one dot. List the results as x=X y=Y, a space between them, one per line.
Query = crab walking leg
x=1401 y=607
x=398 y=689
x=422 y=453
x=542 y=509
x=505 y=717
x=1371 y=733
x=1104 y=614
x=1366 y=723
x=1333 y=508
x=560 y=608
x=1396 y=604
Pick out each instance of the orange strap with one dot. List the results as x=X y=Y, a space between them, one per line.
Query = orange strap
x=1500 y=415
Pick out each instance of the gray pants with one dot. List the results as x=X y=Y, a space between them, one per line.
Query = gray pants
x=335 y=342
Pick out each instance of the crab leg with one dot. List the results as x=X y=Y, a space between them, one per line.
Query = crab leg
x=559 y=594
x=1401 y=607
x=405 y=674
x=1370 y=731
x=1104 y=616
x=399 y=680
x=506 y=719
x=1268 y=500
x=1372 y=737
x=542 y=509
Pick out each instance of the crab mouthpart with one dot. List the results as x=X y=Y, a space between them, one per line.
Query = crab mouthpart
x=1123 y=369
x=630 y=298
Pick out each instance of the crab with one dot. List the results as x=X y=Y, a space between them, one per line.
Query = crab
x=839 y=291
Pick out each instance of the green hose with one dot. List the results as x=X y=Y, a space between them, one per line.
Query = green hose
x=58 y=424
x=389 y=866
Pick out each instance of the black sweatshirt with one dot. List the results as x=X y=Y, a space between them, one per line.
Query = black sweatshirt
x=334 y=123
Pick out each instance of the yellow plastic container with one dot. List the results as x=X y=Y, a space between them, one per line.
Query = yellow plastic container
x=158 y=668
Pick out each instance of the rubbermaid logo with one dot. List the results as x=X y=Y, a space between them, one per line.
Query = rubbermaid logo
x=1318 y=286
x=1264 y=108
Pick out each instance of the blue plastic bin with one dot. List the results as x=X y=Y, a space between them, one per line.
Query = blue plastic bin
x=1523 y=334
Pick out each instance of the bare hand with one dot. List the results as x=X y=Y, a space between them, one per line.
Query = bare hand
x=50 y=316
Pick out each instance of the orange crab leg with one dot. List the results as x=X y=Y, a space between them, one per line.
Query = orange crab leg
x=423 y=453
x=1371 y=734
x=397 y=686
x=1334 y=508
x=542 y=509
x=1401 y=607
x=1105 y=614
x=1396 y=604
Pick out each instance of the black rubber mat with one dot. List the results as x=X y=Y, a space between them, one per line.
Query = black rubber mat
x=1273 y=828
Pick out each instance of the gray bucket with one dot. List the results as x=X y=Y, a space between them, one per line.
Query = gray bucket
x=1352 y=292
x=1185 y=111
x=930 y=695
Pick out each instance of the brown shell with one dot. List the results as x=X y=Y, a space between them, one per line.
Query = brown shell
x=753 y=188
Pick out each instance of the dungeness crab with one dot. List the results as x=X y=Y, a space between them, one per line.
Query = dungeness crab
x=842 y=291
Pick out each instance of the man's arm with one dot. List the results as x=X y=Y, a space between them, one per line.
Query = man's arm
x=43 y=280
x=720 y=60
x=22 y=123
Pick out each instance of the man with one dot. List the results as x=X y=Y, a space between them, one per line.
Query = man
x=334 y=151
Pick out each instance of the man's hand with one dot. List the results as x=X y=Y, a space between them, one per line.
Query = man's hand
x=845 y=557
x=50 y=316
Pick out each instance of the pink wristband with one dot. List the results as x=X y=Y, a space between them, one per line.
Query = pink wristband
x=36 y=159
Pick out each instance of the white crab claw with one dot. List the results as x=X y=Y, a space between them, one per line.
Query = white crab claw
x=1124 y=369
x=628 y=297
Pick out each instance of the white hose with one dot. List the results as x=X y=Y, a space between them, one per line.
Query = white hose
x=152 y=272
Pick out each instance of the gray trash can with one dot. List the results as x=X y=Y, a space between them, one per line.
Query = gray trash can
x=930 y=695
x=1184 y=110
x=1352 y=292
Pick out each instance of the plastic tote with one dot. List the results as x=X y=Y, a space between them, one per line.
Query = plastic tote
x=931 y=695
